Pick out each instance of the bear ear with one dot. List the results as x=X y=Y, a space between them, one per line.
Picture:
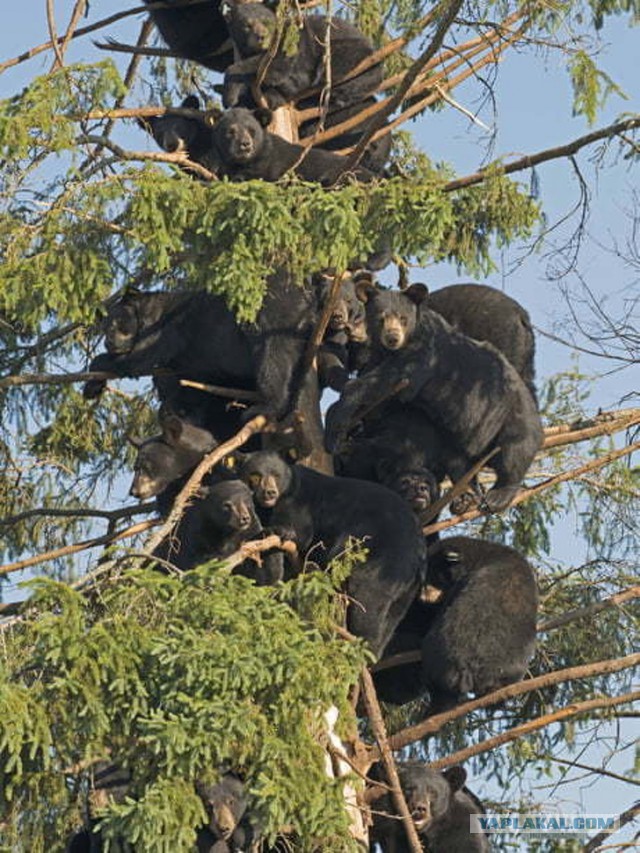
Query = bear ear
x=417 y=293
x=212 y=116
x=234 y=461
x=171 y=426
x=263 y=116
x=456 y=777
x=191 y=102
x=365 y=289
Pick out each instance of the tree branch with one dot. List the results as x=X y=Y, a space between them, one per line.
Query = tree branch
x=111 y=515
x=433 y=724
x=589 y=610
x=448 y=17
x=624 y=818
x=257 y=424
x=600 y=770
x=530 y=160
x=526 y=494
x=178 y=158
x=65 y=551
x=527 y=728
x=380 y=732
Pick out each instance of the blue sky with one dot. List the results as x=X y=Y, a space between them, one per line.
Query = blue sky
x=534 y=112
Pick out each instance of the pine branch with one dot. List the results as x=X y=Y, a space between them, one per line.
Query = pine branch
x=110 y=515
x=590 y=610
x=625 y=817
x=574 y=710
x=380 y=732
x=530 y=160
x=66 y=550
x=526 y=494
x=431 y=725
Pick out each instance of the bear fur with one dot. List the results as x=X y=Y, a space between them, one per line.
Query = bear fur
x=321 y=513
x=468 y=390
x=441 y=807
x=287 y=77
x=484 y=632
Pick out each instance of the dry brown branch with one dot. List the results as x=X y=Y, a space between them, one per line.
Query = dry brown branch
x=603 y=424
x=526 y=494
x=625 y=817
x=251 y=549
x=530 y=160
x=55 y=41
x=321 y=326
x=82 y=31
x=433 y=724
x=111 y=515
x=66 y=550
x=527 y=728
x=456 y=489
x=221 y=391
x=257 y=424
x=178 y=158
x=78 y=12
x=409 y=79
x=590 y=610
x=380 y=732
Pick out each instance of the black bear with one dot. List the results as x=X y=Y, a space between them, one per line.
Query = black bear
x=344 y=349
x=193 y=136
x=164 y=461
x=488 y=314
x=218 y=523
x=441 y=808
x=468 y=389
x=109 y=781
x=398 y=446
x=403 y=682
x=229 y=828
x=288 y=76
x=196 y=31
x=484 y=633
x=378 y=150
x=195 y=336
x=322 y=513
x=247 y=151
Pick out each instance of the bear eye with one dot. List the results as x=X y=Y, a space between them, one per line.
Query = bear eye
x=254 y=479
x=403 y=321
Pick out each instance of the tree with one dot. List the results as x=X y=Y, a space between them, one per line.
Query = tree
x=178 y=677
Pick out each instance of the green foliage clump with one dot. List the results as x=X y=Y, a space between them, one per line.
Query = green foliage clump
x=174 y=678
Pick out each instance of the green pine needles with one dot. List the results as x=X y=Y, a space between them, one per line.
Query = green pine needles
x=174 y=678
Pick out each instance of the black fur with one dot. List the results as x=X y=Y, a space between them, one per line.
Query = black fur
x=322 y=512
x=229 y=828
x=485 y=631
x=440 y=806
x=287 y=77
x=197 y=32
x=468 y=390
x=488 y=314
x=246 y=151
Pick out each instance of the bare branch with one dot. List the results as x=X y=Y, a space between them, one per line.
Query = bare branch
x=111 y=515
x=178 y=157
x=79 y=546
x=601 y=771
x=380 y=732
x=574 y=710
x=257 y=424
x=530 y=160
x=590 y=610
x=625 y=818
x=526 y=494
x=433 y=724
